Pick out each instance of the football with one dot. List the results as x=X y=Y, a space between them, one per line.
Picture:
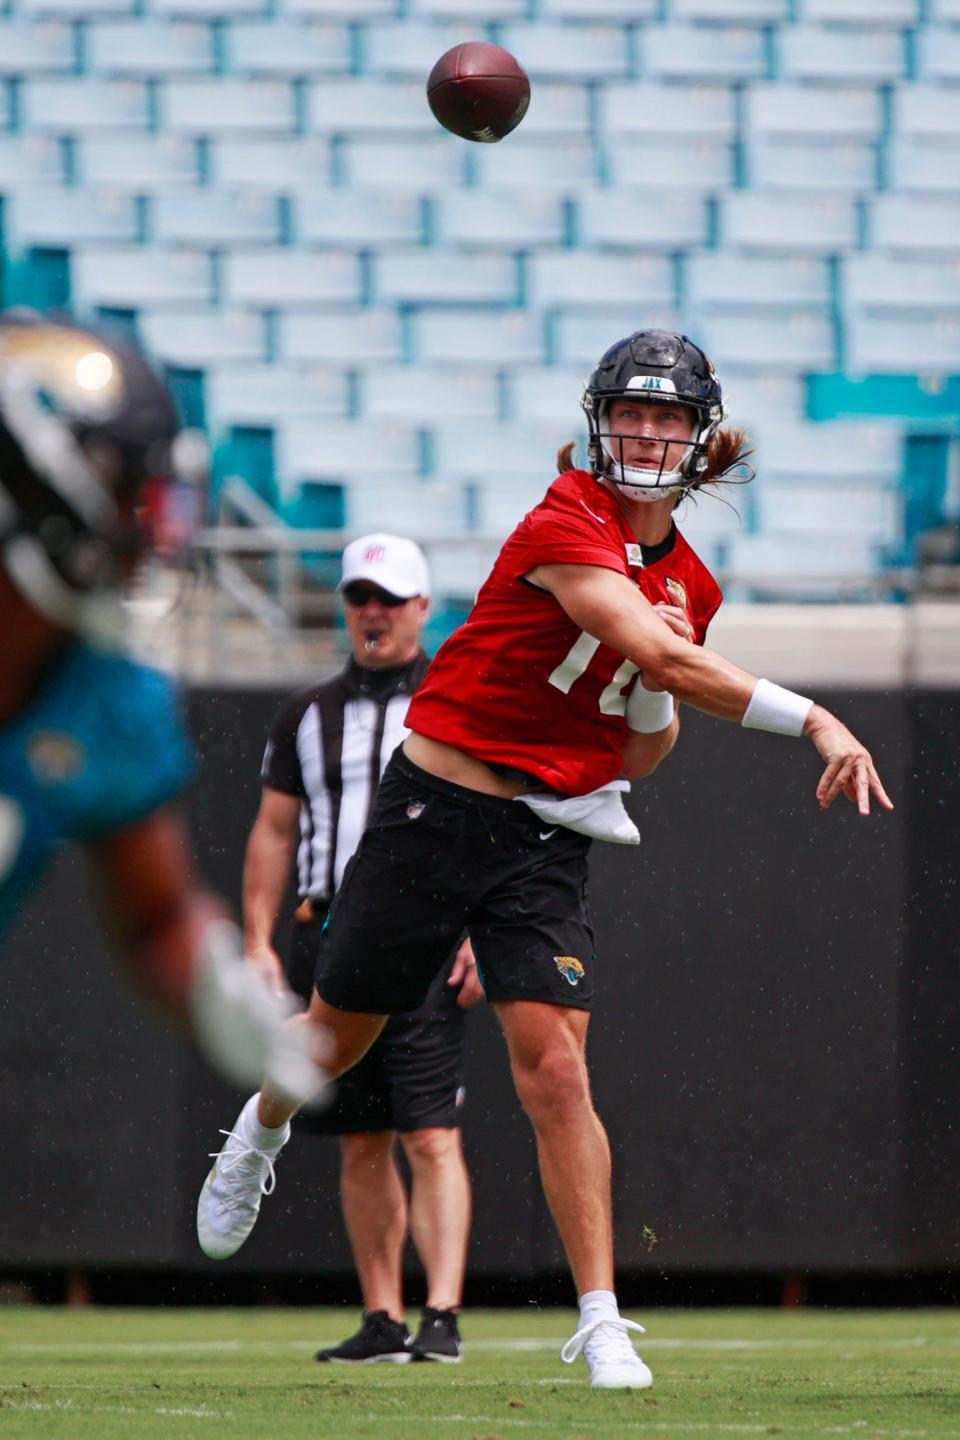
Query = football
x=478 y=91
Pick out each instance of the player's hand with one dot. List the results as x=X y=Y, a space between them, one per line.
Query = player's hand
x=244 y=1027
x=268 y=965
x=850 y=767
x=464 y=977
x=676 y=618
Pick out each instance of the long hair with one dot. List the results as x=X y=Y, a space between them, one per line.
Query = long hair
x=728 y=455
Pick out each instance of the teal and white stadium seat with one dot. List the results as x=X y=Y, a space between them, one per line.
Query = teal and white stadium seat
x=699 y=166
x=877 y=281
x=846 y=168
x=197 y=338
x=280 y=163
x=44 y=48
x=438 y=277
x=938 y=53
x=584 y=277
x=926 y=165
x=730 y=12
x=149 y=47
x=427 y=394
x=278 y=276
x=814 y=224
x=215 y=218
x=888 y=343
x=63 y=215
x=702 y=53
x=599 y=11
x=312 y=449
x=343 y=337
x=130 y=277
x=704 y=112
x=537 y=163
x=262 y=394
x=424 y=165
x=858 y=55
x=729 y=280
x=73 y=106
x=549 y=51
x=408 y=48
x=505 y=219
x=356 y=104
x=375 y=503
x=901 y=13
x=30 y=161
x=835 y=112
x=927 y=112
x=546 y=395
x=141 y=165
x=332 y=215
x=923 y=224
x=789 y=339
x=226 y=105
x=496 y=338
x=479 y=11
x=658 y=220
x=274 y=48
x=353 y=10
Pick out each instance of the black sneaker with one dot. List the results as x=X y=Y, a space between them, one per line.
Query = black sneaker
x=438 y=1337
x=379 y=1338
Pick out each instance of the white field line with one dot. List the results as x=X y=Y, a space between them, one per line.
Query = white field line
x=76 y=1409
x=516 y=1343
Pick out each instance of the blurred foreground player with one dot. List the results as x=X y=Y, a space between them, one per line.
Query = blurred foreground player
x=326 y=751
x=92 y=747
x=562 y=679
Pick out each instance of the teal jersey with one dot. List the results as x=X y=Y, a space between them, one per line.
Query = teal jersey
x=101 y=745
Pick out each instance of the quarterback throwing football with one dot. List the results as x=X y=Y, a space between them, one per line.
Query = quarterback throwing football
x=564 y=679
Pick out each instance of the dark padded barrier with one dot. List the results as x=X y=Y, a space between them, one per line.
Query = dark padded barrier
x=774 y=1047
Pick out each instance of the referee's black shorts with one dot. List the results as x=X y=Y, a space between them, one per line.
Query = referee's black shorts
x=412 y=1076
x=438 y=859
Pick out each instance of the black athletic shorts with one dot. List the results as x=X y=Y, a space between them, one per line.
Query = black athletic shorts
x=411 y=1078
x=437 y=859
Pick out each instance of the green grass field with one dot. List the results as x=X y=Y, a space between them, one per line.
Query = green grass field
x=99 y=1374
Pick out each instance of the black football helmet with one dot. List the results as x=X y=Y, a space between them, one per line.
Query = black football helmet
x=658 y=366
x=88 y=464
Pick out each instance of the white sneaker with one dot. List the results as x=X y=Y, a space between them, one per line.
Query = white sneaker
x=230 y=1199
x=610 y=1357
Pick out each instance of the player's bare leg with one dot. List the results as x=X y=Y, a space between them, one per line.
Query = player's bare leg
x=547 y=1045
x=348 y=1035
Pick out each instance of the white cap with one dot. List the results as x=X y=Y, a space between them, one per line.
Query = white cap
x=398 y=566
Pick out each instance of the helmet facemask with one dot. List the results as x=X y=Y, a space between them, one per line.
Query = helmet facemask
x=653 y=367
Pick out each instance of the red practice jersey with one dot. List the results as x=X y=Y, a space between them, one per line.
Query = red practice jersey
x=519 y=683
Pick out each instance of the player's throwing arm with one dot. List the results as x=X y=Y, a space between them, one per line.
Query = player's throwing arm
x=613 y=610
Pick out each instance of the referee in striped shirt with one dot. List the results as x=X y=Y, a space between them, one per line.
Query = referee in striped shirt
x=326 y=751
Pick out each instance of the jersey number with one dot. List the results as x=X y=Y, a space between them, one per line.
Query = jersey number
x=576 y=662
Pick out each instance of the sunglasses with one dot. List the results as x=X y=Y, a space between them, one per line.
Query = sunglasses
x=359 y=595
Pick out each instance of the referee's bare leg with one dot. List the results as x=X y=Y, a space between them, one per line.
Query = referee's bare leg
x=349 y=1035
x=547 y=1045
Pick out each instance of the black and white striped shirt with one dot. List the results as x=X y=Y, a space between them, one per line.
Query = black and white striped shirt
x=329 y=745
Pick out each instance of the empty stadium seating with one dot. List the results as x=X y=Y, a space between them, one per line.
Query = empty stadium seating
x=260 y=188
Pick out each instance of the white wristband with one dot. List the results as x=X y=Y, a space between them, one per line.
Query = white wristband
x=773 y=708
x=648 y=711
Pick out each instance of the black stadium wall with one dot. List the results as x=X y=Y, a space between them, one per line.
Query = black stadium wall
x=774 y=1046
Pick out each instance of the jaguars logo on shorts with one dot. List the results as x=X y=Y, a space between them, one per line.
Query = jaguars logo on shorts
x=570 y=968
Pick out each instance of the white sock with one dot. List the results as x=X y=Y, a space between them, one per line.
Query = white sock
x=262 y=1137
x=597 y=1305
